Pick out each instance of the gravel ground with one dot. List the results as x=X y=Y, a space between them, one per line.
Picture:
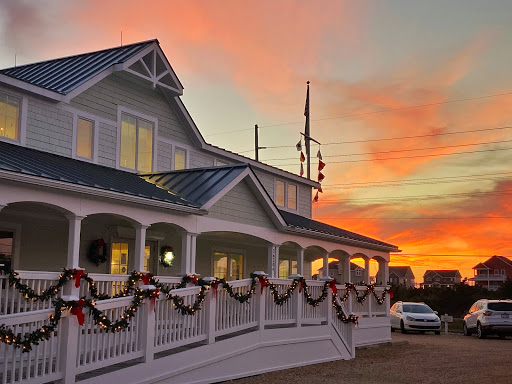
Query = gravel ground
x=410 y=358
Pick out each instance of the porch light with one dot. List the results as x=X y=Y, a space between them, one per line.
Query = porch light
x=167 y=256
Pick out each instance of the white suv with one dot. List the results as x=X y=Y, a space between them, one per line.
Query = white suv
x=408 y=316
x=489 y=316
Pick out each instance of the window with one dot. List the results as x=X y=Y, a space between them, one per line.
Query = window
x=6 y=249
x=359 y=272
x=292 y=196
x=496 y=271
x=147 y=257
x=286 y=194
x=287 y=267
x=429 y=278
x=280 y=193
x=180 y=159
x=503 y=272
x=84 y=138
x=136 y=143
x=220 y=162
x=9 y=116
x=119 y=259
x=228 y=265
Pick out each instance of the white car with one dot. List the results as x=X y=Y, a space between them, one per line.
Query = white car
x=408 y=316
x=489 y=316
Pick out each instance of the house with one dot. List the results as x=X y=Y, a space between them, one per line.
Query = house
x=357 y=273
x=492 y=273
x=441 y=278
x=103 y=172
x=401 y=275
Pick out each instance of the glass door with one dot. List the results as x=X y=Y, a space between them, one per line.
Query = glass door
x=119 y=259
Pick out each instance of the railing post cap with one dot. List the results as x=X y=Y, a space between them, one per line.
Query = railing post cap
x=296 y=276
x=260 y=273
x=70 y=298
x=326 y=278
x=148 y=286
x=209 y=279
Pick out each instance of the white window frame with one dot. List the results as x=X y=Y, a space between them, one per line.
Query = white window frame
x=22 y=122
x=229 y=251
x=187 y=156
x=286 y=183
x=95 y=135
x=122 y=109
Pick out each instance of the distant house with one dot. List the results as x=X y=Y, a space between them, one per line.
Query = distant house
x=402 y=275
x=335 y=270
x=493 y=272
x=446 y=278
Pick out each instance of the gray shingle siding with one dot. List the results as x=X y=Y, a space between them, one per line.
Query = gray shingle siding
x=164 y=156
x=107 y=141
x=199 y=160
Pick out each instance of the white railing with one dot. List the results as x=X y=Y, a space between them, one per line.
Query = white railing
x=105 y=284
x=158 y=326
x=42 y=363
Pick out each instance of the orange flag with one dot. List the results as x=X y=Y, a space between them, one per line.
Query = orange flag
x=302 y=158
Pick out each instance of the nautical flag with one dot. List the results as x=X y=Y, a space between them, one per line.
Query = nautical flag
x=320 y=189
x=319 y=154
x=321 y=165
x=299 y=145
x=302 y=157
x=301 y=169
x=320 y=177
x=315 y=199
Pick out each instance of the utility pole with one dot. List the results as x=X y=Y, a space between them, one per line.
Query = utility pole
x=256 y=146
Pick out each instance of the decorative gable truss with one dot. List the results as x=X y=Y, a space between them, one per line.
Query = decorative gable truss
x=152 y=65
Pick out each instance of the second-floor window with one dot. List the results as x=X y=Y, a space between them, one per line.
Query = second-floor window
x=84 y=138
x=180 y=159
x=9 y=116
x=286 y=195
x=136 y=143
x=287 y=267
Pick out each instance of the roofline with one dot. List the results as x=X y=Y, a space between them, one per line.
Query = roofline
x=340 y=239
x=71 y=187
x=20 y=84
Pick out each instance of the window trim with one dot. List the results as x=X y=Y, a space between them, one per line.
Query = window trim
x=95 y=136
x=22 y=118
x=173 y=159
x=139 y=115
x=286 y=184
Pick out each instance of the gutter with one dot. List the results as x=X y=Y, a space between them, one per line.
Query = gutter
x=339 y=239
x=97 y=192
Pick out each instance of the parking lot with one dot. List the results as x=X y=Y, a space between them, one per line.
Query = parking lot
x=411 y=358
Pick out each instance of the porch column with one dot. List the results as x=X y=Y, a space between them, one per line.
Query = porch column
x=326 y=264
x=346 y=270
x=383 y=272
x=366 y=276
x=188 y=252
x=300 y=261
x=140 y=245
x=75 y=225
x=273 y=260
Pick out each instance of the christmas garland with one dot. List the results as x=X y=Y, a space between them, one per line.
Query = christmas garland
x=25 y=342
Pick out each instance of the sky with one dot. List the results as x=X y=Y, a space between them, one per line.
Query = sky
x=411 y=100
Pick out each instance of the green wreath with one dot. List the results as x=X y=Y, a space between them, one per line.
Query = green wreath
x=98 y=252
x=165 y=259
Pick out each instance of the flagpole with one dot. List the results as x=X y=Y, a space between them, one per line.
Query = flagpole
x=307 y=135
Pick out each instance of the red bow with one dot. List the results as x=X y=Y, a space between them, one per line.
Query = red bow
x=194 y=279
x=370 y=288
x=332 y=284
x=301 y=281
x=215 y=285
x=77 y=311
x=146 y=278
x=154 y=295
x=78 y=274
x=263 y=282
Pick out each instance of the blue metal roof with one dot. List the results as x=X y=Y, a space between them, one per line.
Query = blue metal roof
x=302 y=222
x=28 y=161
x=65 y=74
x=198 y=184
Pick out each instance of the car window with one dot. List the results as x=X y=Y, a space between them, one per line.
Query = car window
x=500 y=306
x=417 y=308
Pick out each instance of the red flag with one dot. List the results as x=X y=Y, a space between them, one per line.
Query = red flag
x=320 y=177
x=315 y=199
x=301 y=169
x=321 y=165
x=319 y=154
x=320 y=189
x=302 y=157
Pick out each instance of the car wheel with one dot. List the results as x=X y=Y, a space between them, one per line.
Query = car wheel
x=480 y=332
x=466 y=331
x=437 y=332
x=502 y=336
x=402 y=327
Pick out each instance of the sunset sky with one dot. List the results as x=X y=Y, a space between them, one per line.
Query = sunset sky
x=411 y=100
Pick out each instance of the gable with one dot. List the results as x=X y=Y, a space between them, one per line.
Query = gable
x=240 y=205
x=126 y=90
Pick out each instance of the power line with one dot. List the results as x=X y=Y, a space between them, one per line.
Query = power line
x=403 y=150
x=369 y=113
x=436 y=255
x=409 y=157
x=416 y=218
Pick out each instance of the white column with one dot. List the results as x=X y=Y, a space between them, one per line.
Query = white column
x=75 y=224
x=366 y=276
x=346 y=270
x=188 y=253
x=273 y=260
x=326 y=264
x=140 y=245
x=300 y=261
x=385 y=270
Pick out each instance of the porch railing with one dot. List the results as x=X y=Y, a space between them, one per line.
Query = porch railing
x=157 y=327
